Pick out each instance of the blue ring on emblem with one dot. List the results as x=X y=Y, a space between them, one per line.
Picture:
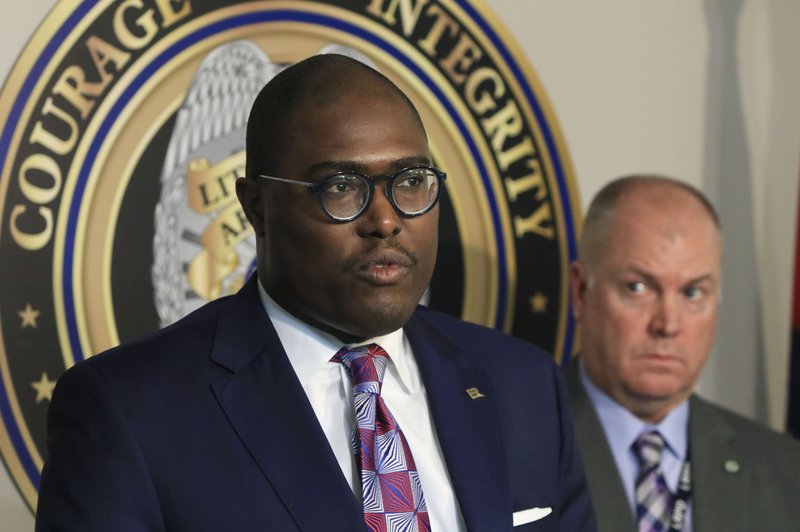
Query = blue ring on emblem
x=569 y=223
x=24 y=94
x=218 y=27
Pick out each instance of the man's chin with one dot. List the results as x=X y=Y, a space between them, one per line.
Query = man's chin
x=375 y=321
x=659 y=388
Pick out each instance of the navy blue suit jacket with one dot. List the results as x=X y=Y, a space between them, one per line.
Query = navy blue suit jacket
x=204 y=426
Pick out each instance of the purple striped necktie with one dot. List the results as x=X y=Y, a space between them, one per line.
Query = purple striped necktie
x=653 y=498
x=391 y=490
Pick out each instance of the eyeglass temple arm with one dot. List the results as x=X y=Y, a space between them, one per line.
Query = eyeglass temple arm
x=284 y=180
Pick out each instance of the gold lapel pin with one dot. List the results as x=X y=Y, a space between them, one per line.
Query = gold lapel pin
x=474 y=393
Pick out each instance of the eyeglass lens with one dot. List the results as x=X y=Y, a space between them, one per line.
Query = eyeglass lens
x=413 y=191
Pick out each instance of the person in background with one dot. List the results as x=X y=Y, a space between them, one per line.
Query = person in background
x=321 y=397
x=645 y=292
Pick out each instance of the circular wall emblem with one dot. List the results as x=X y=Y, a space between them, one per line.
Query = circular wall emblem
x=123 y=132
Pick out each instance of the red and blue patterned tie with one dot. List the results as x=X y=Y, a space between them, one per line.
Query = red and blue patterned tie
x=391 y=490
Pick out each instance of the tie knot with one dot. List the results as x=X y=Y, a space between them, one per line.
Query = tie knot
x=365 y=365
x=648 y=448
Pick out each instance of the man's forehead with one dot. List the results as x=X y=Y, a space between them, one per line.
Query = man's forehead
x=701 y=272
x=314 y=105
x=662 y=199
x=659 y=259
x=659 y=211
x=364 y=166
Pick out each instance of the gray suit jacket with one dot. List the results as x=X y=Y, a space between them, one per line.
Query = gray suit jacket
x=764 y=494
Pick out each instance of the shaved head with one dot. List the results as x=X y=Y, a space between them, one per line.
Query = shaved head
x=312 y=83
x=603 y=208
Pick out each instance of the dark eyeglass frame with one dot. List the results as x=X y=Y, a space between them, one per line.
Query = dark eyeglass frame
x=319 y=186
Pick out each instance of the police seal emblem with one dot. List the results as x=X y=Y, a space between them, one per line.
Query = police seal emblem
x=123 y=131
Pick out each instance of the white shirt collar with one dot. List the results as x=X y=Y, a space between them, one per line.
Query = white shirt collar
x=308 y=348
x=622 y=427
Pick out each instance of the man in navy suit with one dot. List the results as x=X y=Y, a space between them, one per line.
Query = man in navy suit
x=236 y=418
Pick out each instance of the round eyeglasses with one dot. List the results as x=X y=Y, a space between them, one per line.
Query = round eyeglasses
x=344 y=196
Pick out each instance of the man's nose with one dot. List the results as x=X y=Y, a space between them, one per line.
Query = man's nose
x=666 y=318
x=381 y=219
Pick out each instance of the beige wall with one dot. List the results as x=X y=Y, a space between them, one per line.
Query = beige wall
x=16 y=30
x=708 y=92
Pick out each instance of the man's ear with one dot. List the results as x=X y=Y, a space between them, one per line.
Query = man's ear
x=578 y=284
x=250 y=197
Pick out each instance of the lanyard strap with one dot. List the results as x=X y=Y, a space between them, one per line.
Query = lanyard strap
x=680 y=503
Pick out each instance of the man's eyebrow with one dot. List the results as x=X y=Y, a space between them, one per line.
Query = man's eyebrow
x=647 y=276
x=651 y=279
x=329 y=167
x=407 y=162
x=702 y=279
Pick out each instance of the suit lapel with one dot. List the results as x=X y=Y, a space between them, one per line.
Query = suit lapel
x=608 y=495
x=467 y=429
x=270 y=412
x=720 y=477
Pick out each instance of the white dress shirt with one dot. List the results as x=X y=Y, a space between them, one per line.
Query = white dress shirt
x=331 y=396
x=622 y=428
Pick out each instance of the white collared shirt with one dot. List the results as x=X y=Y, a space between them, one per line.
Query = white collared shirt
x=622 y=428
x=330 y=393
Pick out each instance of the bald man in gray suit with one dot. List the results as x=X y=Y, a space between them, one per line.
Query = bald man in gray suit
x=645 y=292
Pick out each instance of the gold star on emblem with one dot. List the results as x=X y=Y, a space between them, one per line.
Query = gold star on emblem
x=539 y=303
x=44 y=388
x=29 y=316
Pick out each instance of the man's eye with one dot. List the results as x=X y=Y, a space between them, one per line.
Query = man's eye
x=635 y=287
x=693 y=292
x=339 y=187
x=410 y=181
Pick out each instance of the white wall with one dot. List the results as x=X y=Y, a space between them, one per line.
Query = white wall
x=708 y=92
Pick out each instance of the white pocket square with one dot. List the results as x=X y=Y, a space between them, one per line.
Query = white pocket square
x=523 y=517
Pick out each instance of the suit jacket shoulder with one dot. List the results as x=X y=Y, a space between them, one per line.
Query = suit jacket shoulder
x=745 y=476
x=484 y=346
x=507 y=398
x=200 y=426
x=605 y=484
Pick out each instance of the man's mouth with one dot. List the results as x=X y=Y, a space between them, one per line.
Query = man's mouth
x=386 y=266
x=661 y=358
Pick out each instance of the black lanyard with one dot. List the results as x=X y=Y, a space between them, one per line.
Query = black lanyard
x=680 y=502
